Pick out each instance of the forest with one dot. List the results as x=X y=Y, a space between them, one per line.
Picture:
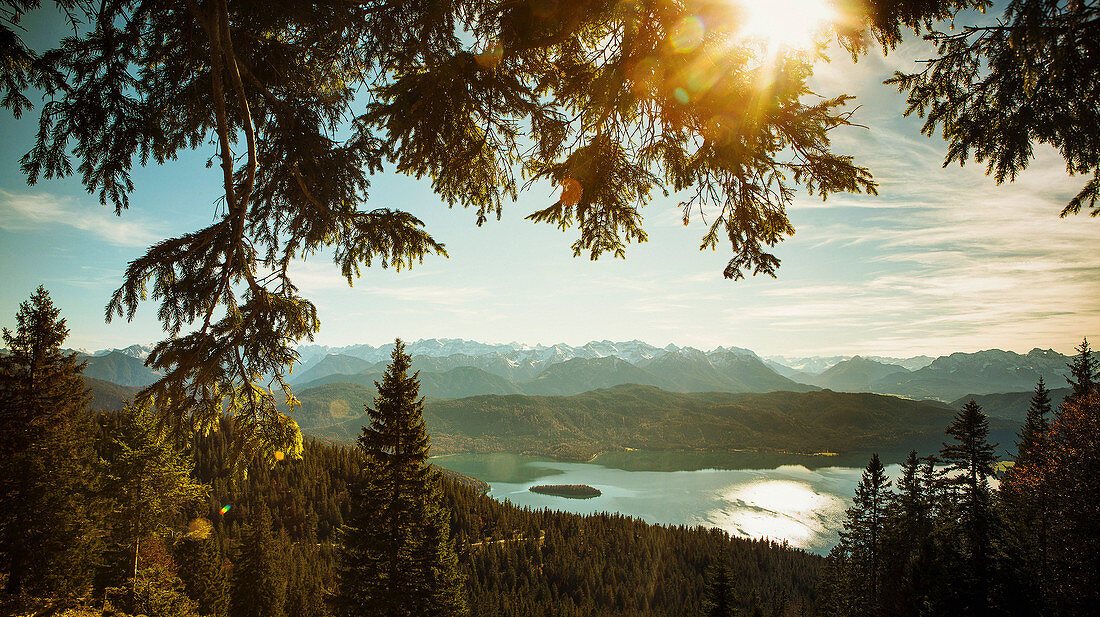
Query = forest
x=109 y=512
x=201 y=497
x=106 y=513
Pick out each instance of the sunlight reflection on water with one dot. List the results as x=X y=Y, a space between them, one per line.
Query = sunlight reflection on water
x=789 y=503
x=787 y=510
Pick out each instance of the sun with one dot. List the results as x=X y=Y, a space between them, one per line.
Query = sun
x=790 y=24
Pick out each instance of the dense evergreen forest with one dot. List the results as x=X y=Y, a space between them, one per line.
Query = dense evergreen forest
x=960 y=535
x=516 y=561
x=122 y=513
x=114 y=513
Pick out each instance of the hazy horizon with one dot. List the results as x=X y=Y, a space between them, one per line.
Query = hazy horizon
x=547 y=345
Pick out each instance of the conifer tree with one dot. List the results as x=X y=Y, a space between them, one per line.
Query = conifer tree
x=259 y=573
x=397 y=558
x=1083 y=372
x=150 y=480
x=970 y=453
x=305 y=589
x=907 y=532
x=1025 y=494
x=202 y=570
x=720 y=600
x=970 y=459
x=1073 y=485
x=48 y=519
x=1033 y=435
x=863 y=533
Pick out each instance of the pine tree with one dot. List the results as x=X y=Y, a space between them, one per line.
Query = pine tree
x=1025 y=494
x=863 y=532
x=970 y=454
x=855 y=568
x=907 y=532
x=720 y=600
x=202 y=570
x=1083 y=372
x=970 y=459
x=259 y=573
x=150 y=480
x=1033 y=435
x=48 y=518
x=305 y=590
x=397 y=558
x=1073 y=489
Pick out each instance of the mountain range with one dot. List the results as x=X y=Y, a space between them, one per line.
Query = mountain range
x=455 y=368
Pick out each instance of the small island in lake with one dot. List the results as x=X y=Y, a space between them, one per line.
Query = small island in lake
x=572 y=491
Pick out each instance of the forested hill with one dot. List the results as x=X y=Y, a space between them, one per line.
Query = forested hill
x=1010 y=405
x=518 y=562
x=644 y=417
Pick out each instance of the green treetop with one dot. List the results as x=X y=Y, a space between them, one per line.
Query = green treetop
x=397 y=558
x=1083 y=372
x=260 y=572
x=970 y=459
x=45 y=429
x=149 y=478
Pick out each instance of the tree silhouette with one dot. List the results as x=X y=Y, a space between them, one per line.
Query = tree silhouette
x=46 y=502
x=970 y=459
x=397 y=557
x=1030 y=77
x=1082 y=372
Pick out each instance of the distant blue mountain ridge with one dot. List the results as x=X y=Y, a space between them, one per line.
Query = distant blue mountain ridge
x=562 y=369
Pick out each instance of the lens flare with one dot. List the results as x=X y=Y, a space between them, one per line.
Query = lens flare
x=687 y=34
x=225 y=508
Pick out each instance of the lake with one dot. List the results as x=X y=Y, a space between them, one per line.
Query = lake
x=801 y=503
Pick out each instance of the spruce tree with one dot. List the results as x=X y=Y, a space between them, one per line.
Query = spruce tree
x=1025 y=495
x=1033 y=435
x=970 y=459
x=202 y=570
x=970 y=453
x=1083 y=372
x=720 y=600
x=907 y=531
x=1073 y=490
x=149 y=478
x=863 y=533
x=259 y=573
x=397 y=558
x=48 y=519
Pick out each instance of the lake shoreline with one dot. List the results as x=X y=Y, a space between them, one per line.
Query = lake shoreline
x=770 y=496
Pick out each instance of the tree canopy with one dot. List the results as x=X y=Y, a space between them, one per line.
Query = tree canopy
x=1031 y=76
x=299 y=104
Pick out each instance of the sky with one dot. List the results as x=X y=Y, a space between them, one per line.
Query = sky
x=942 y=260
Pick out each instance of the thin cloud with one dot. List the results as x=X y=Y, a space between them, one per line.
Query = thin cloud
x=34 y=212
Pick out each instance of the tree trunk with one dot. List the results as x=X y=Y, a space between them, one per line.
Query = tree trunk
x=133 y=584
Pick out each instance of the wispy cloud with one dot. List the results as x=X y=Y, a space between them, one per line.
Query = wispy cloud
x=26 y=212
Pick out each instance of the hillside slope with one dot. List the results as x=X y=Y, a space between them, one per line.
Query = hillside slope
x=1011 y=405
x=645 y=417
